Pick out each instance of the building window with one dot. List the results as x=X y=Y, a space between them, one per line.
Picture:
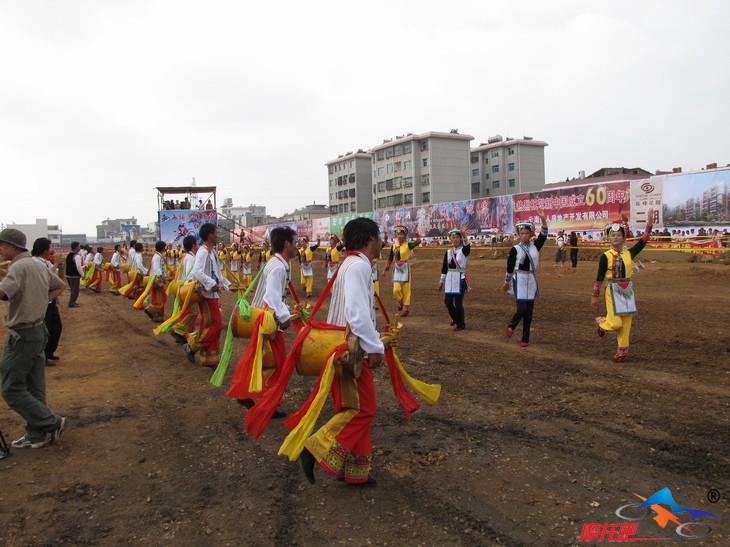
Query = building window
x=352 y=178
x=475 y=172
x=511 y=151
x=424 y=146
x=407 y=148
x=381 y=187
x=407 y=199
x=495 y=153
x=407 y=182
x=495 y=184
x=407 y=165
x=396 y=167
x=474 y=187
x=510 y=167
x=475 y=158
x=389 y=168
x=352 y=206
x=511 y=183
x=486 y=176
x=495 y=168
x=381 y=171
x=351 y=192
x=381 y=202
x=425 y=180
x=398 y=200
x=426 y=198
x=380 y=155
x=398 y=150
x=425 y=162
x=389 y=152
x=397 y=183
x=486 y=191
x=375 y=189
x=389 y=184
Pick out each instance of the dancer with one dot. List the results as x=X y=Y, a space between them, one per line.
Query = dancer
x=560 y=253
x=615 y=266
x=522 y=263
x=208 y=272
x=246 y=266
x=155 y=310
x=270 y=295
x=400 y=253
x=306 y=270
x=332 y=256
x=453 y=277
x=343 y=446
x=115 y=275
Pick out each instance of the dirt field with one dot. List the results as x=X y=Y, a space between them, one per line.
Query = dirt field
x=524 y=447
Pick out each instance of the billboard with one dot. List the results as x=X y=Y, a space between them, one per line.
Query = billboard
x=581 y=208
x=175 y=224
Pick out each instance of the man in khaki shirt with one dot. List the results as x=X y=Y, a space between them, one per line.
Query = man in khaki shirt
x=27 y=288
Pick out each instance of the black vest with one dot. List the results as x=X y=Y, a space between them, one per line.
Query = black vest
x=71 y=269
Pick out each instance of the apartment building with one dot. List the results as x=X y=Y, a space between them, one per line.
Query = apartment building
x=413 y=170
x=350 y=180
x=507 y=166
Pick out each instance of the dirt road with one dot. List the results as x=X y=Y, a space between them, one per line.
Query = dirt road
x=525 y=446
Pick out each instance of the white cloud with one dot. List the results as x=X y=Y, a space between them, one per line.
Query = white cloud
x=102 y=101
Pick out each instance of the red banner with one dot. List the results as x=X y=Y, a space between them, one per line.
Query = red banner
x=583 y=208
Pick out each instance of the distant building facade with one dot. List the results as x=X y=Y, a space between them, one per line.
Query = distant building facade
x=116 y=230
x=308 y=212
x=413 y=170
x=350 y=183
x=507 y=166
x=41 y=228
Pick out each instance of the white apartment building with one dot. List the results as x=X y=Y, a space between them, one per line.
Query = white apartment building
x=413 y=170
x=350 y=180
x=41 y=228
x=507 y=166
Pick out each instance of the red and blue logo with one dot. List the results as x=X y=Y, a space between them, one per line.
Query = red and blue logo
x=654 y=508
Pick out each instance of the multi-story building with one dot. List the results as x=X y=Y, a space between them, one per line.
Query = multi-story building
x=507 y=166
x=253 y=215
x=414 y=170
x=350 y=181
x=41 y=228
x=116 y=230
x=308 y=212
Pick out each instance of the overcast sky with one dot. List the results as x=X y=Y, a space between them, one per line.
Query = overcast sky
x=102 y=101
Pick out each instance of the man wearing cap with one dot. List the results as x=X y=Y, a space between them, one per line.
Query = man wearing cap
x=27 y=289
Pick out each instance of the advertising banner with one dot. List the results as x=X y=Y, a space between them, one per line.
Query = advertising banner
x=646 y=194
x=581 y=208
x=696 y=199
x=177 y=223
x=337 y=222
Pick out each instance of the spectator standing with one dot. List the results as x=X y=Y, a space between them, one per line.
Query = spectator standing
x=74 y=270
x=27 y=289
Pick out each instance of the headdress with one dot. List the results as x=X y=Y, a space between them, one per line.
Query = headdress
x=525 y=224
x=619 y=225
x=400 y=228
x=455 y=232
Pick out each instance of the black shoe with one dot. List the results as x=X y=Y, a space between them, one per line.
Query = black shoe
x=52 y=357
x=278 y=414
x=189 y=353
x=370 y=482
x=307 y=461
x=148 y=313
x=179 y=338
x=248 y=403
x=74 y=306
x=50 y=363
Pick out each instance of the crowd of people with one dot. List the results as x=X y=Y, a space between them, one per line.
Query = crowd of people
x=171 y=205
x=195 y=274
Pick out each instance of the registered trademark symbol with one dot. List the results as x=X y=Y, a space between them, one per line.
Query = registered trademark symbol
x=713 y=495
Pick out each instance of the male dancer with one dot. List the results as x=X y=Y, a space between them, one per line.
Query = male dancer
x=343 y=446
x=209 y=273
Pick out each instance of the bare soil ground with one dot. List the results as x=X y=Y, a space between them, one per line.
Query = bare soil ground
x=524 y=447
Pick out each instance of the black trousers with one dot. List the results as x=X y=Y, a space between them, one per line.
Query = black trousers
x=574 y=257
x=73 y=283
x=54 y=326
x=455 y=305
x=524 y=314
